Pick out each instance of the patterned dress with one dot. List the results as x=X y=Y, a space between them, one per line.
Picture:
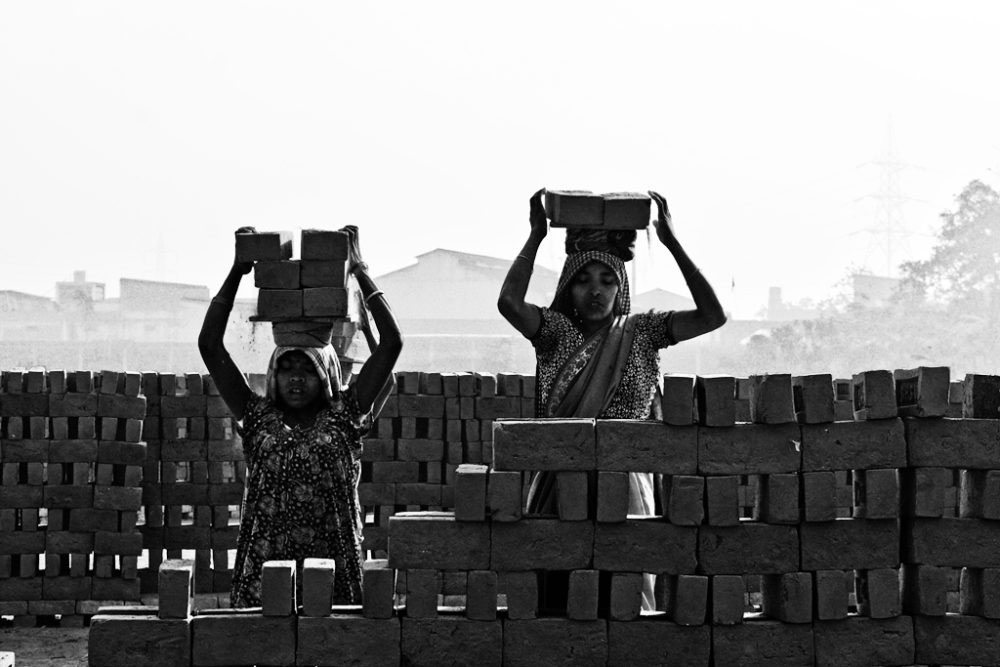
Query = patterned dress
x=301 y=498
x=558 y=338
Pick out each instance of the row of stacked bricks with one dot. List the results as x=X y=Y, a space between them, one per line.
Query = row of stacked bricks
x=843 y=579
x=72 y=455
x=193 y=481
x=430 y=425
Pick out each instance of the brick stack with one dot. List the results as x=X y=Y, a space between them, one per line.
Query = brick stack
x=72 y=455
x=307 y=300
x=433 y=423
x=940 y=548
x=584 y=209
x=195 y=486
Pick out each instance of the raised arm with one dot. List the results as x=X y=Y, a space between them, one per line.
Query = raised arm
x=708 y=314
x=390 y=383
x=524 y=317
x=229 y=380
x=377 y=371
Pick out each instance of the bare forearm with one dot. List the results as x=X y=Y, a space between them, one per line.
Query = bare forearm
x=705 y=300
x=515 y=285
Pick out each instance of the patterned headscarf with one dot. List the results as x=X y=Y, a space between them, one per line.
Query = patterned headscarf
x=323 y=358
x=577 y=260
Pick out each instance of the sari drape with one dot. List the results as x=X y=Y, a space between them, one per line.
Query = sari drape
x=584 y=387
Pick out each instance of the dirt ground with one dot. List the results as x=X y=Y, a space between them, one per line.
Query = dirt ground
x=45 y=647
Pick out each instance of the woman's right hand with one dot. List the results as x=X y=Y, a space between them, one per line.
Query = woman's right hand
x=244 y=267
x=539 y=223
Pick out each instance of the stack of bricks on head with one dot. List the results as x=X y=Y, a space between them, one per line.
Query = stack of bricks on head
x=802 y=520
x=307 y=300
x=585 y=210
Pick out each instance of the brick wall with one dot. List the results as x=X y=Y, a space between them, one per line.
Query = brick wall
x=783 y=536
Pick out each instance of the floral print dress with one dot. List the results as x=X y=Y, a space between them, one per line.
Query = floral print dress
x=301 y=497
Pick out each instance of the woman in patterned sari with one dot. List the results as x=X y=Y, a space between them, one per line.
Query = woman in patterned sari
x=594 y=357
x=302 y=441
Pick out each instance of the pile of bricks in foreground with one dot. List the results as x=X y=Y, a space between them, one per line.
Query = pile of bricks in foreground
x=911 y=575
x=71 y=454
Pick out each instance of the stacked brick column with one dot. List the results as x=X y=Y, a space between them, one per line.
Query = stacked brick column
x=72 y=455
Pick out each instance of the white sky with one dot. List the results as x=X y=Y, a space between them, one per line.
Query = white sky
x=136 y=136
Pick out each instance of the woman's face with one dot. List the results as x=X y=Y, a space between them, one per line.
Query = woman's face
x=594 y=290
x=298 y=382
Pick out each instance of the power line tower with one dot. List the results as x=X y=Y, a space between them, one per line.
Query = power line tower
x=889 y=232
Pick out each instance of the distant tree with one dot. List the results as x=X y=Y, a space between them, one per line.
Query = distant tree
x=964 y=266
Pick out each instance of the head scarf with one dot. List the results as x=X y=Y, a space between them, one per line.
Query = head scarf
x=577 y=260
x=323 y=358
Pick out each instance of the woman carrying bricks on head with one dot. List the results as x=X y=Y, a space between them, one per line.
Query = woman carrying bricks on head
x=594 y=358
x=302 y=442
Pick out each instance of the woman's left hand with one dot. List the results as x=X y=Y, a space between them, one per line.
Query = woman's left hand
x=663 y=223
x=354 y=260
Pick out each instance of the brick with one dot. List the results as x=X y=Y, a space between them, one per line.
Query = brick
x=749 y=449
x=22 y=451
x=612 y=496
x=121 y=407
x=715 y=400
x=449 y=640
x=819 y=496
x=72 y=405
x=626 y=210
x=981 y=397
x=435 y=540
x=242 y=638
x=581 y=599
x=556 y=444
x=325 y=302
x=859 y=642
x=923 y=391
x=657 y=642
x=874 y=394
x=726 y=599
x=683 y=499
x=813 y=398
x=952 y=542
x=391 y=472
x=498 y=407
x=324 y=244
x=121 y=498
x=421 y=406
x=849 y=544
x=63 y=542
x=503 y=502
x=925 y=590
x=379 y=581
x=788 y=597
x=646 y=446
x=572 y=496
x=857 y=445
x=763 y=642
x=679 y=399
x=276 y=274
x=878 y=592
x=556 y=545
x=876 y=494
x=274 y=304
x=138 y=640
x=644 y=545
x=574 y=208
x=422 y=588
x=923 y=491
x=771 y=399
x=688 y=599
x=980 y=494
x=830 y=598
x=89 y=520
x=359 y=641
x=277 y=583
x=953 y=443
x=257 y=246
x=722 y=500
x=625 y=600
x=68 y=496
x=778 y=499
x=555 y=641
x=470 y=492
x=979 y=592
x=522 y=594
x=750 y=548
x=175 y=587
x=956 y=640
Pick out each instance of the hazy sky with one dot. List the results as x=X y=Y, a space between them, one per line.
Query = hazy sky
x=135 y=137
